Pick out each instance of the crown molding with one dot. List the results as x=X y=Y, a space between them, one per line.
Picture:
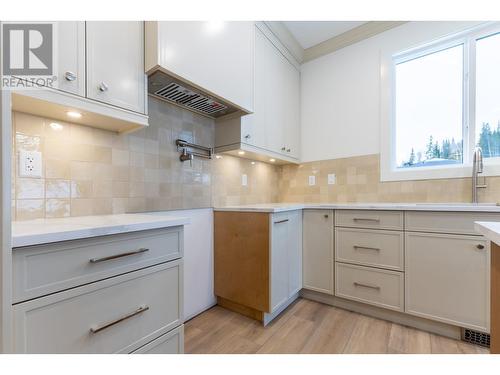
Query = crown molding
x=352 y=36
x=287 y=39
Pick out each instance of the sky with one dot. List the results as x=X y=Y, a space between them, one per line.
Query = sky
x=429 y=96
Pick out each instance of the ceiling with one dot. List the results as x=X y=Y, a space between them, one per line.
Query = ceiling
x=310 y=33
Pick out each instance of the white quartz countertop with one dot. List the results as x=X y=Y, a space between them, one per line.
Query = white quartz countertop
x=40 y=231
x=489 y=229
x=281 y=207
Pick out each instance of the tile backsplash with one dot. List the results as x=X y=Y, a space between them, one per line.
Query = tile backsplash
x=89 y=171
x=358 y=180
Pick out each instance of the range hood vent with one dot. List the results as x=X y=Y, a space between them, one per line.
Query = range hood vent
x=170 y=89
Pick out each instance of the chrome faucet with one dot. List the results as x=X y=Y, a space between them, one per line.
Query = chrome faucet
x=477 y=167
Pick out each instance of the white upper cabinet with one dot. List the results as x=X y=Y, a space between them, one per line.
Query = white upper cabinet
x=115 y=63
x=71 y=56
x=218 y=57
x=273 y=129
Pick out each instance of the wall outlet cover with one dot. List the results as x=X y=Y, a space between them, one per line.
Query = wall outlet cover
x=30 y=164
x=244 y=180
x=331 y=179
x=312 y=180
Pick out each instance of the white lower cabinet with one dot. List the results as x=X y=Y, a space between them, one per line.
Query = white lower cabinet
x=116 y=315
x=286 y=257
x=169 y=343
x=317 y=244
x=448 y=279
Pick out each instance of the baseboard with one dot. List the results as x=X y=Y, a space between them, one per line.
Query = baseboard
x=439 y=328
x=268 y=317
x=241 y=309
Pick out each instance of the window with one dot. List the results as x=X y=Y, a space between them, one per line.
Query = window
x=429 y=109
x=445 y=102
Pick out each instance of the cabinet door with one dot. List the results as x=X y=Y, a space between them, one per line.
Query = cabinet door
x=318 y=250
x=294 y=247
x=292 y=110
x=448 y=278
x=279 y=260
x=71 y=56
x=115 y=63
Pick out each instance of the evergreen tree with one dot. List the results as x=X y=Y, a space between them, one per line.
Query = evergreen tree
x=429 y=153
x=436 y=152
x=485 y=140
x=446 y=149
x=411 y=161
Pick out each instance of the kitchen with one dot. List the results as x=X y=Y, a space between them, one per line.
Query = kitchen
x=250 y=187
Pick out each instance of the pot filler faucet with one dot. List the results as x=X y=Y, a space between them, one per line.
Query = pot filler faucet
x=477 y=167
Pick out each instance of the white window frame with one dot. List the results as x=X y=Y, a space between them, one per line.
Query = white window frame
x=388 y=167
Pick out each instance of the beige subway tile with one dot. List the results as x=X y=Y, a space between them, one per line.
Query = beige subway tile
x=136 y=189
x=82 y=207
x=102 y=188
x=81 y=189
x=102 y=155
x=55 y=188
x=81 y=170
x=82 y=152
x=120 y=157
x=120 y=205
x=102 y=206
x=57 y=129
x=57 y=149
x=57 y=208
x=102 y=137
x=57 y=168
x=121 y=173
x=136 y=159
x=151 y=161
x=29 y=209
x=28 y=124
x=102 y=171
x=120 y=189
x=82 y=134
x=30 y=188
x=28 y=142
x=136 y=174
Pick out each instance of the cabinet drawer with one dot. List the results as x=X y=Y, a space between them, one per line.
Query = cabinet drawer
x=376 y=248
x=370 y=285
x=369 y=219
x=45 y=269
x=116 y=315
x=169 y=343
x=446 y=222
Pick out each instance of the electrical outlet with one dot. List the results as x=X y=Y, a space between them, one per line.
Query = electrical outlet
x=312 y=180
x=30 y=164
x=331 y=179
x=244 y=180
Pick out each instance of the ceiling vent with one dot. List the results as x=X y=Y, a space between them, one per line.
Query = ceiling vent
x=170 y=89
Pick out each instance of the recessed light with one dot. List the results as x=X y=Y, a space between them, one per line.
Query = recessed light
x=55 y=126
x=241 y=152
x=253 y=163
x=74 y=114
x=272 y=160
x=218 y=156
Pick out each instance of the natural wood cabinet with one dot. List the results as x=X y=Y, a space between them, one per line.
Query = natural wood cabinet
x=258 y=261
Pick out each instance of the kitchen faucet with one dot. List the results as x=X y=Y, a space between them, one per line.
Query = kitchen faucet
x=477 y=167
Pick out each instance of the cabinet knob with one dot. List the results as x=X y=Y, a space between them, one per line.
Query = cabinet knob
x=287 y=150
x=326 y=216
x=480 y=246
x=70 y=76
x=283 y=148
x=103 y=87
x=248 y=136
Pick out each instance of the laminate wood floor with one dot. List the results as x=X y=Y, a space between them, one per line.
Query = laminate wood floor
x=311 y=327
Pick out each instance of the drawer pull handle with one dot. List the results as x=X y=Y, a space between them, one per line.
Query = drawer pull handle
x=480 y=246
x=366 y=219
x=281 y=221
x=140 y=310
x=111 y=257
x=365 y=248
x=367 y=285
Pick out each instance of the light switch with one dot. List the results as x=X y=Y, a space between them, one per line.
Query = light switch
x=244 y=180
x=312 y=180
x=30 y=164
x=331 y=179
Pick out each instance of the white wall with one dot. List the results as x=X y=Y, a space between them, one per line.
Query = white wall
x=340 y=92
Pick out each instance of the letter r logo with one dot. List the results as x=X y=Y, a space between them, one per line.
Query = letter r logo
x=27 y=49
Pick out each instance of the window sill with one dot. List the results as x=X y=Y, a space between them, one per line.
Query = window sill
x=491 y=168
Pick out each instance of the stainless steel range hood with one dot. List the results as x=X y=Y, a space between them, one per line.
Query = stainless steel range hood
x=173 y=90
